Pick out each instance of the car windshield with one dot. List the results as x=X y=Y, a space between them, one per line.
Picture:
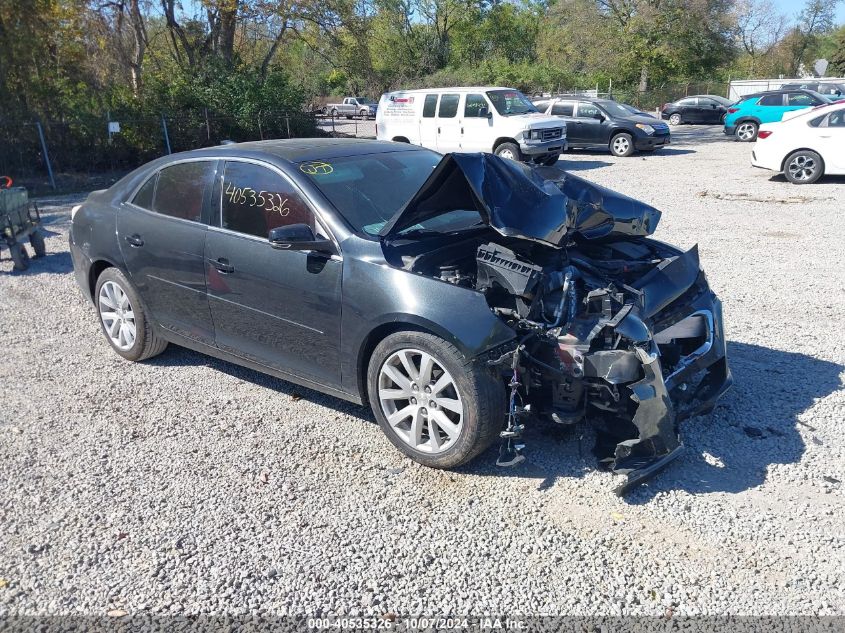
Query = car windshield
x=508 y=102
x=614 y=109
x=369 y=189
x=823 y=98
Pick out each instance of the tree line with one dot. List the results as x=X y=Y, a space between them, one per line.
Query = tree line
x=70 y=59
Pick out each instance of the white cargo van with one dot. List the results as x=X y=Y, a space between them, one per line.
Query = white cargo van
x=490 y=119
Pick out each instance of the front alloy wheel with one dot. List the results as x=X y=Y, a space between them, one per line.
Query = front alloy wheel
x=421 y=401
x=803 y=167
x=746 y=131
x=433 y=404
x=622 y=145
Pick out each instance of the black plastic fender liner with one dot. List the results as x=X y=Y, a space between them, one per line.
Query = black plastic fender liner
x=654 y=419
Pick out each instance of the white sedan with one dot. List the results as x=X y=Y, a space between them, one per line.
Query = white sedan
x=804 y=146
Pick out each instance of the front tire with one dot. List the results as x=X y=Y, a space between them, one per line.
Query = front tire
x=435 y=406
x=746 y=131
x=622 y=145
x=123 y=319
x=803 y=167
x=509 y=151
x=20 y=257
x=36 y=240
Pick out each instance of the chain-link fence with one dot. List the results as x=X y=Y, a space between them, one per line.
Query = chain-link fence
x=650 y=100
x=90 y=153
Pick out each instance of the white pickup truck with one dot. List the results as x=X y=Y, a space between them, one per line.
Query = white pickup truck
x=350 y=107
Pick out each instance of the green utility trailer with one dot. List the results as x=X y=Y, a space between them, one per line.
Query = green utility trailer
x=20 y=222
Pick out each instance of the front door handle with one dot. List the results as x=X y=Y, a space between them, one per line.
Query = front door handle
x=222 y=264
x=438 y=130
x=135 y=240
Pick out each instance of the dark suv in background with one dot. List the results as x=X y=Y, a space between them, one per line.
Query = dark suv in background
x=592 y=122
x=827 y=88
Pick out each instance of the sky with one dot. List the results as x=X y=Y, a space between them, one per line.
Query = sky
x=793 y=7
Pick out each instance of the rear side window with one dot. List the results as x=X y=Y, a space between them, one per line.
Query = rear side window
x=587 y=111
x=771 y=100
x=836 y=119
x=430 y=106
x=473 y=105
x=448 y=106
x=144 y=197
x=799 y=99
x=182 y=188
x=256 y=200
x=687 y=102
x=563 y=109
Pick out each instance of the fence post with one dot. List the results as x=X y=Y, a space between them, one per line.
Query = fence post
x=207 y=125
x=166 y=135
x=46 y=154
x=333 y=130
x=260 y=130
x=287 y=124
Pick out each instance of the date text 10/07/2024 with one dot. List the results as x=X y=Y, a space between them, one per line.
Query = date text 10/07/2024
x=249 y=197
x=484 y=623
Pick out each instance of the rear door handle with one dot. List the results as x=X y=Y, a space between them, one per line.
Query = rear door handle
x=135 y=240
x=222 y=264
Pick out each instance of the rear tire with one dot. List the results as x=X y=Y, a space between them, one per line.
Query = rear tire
x=467 y=392
x=675 y=119
x=112 y=286
x=746 y=131
x=20 y=257
x=803 y=167
x=622 y=144
x=36 y=240
x=509 y=151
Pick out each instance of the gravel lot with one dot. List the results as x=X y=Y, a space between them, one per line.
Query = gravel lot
x=187 y=485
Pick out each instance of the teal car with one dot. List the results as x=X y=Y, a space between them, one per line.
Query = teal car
x=743 y=119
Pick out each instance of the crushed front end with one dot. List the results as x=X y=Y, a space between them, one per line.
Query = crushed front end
x=611 y=327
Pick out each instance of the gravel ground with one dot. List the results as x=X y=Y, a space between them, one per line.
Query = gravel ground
x=186 y=485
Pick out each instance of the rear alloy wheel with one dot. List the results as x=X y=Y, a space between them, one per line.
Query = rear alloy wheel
x=746 y=131
x=803 y=167
x=123 y=319
x=433 y=405
x=622 y=145
x=675 y=119
x=509 y=151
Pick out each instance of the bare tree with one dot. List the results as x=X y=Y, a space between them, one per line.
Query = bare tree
x=759 y=28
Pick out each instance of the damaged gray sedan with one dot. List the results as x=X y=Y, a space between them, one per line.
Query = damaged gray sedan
x=463 y=297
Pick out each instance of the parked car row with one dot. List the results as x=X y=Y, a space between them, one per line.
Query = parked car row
x=505 y=122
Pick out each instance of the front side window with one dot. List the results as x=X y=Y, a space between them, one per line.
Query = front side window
x=449 y=106
x=588 y=111
x=182 y=188
x=256 y=200
x=799 y=99
x=508 y=102
x=430 y=106
x=473 y=105
x=563 y=108
x=144 y=197
x=771 y=100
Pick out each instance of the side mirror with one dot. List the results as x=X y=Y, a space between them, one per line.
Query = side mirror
x=599 y=116
x=484 y=113
x=713 y=105
x=298 y=237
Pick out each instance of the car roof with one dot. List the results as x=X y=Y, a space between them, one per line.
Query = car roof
x=453 y=89
x=297 y=150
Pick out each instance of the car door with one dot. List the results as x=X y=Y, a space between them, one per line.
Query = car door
x=274 y=307
x=709 y=111
x=476 y=130
x=688 y=109
x=831 y=135
x=566 y=111
x=590 y=126
x=162 y=239
x=769 y=108
x=428 y=122
x=448 y=127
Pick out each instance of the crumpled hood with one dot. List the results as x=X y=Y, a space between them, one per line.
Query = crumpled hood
x=544 y=205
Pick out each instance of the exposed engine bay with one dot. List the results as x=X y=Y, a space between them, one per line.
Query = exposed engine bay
x=611 y=327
